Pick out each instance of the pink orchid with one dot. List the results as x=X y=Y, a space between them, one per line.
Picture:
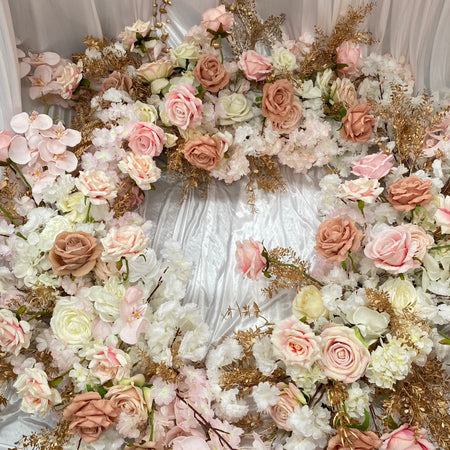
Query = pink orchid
x=131 y=322
x=49 y=58
x=65 y=136
x=21 y=123
x=42 y=82
x=60 y=164
x=19 y=151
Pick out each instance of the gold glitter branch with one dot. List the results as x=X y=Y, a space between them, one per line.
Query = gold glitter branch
x=47 y=439
x=323 y=52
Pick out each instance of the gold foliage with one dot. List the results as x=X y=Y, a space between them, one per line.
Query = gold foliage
x=7 y=375
x=323 y=52
x=290 y=274
x=8 y=192
x=54 y=439
x=422 y=399
x=248 y=29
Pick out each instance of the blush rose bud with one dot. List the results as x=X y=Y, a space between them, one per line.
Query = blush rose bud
x=250 y=259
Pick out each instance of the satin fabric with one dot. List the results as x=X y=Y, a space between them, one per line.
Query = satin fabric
x=209 y=225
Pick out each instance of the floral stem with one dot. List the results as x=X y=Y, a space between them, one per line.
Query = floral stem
x=352 y=262
x=221 y=50
x=152 y=422
x=17 y=170
x=440 y=247
x=45 y=103
x=292 y=266
x=8 y=215
x=88 y=214
x=125 y=278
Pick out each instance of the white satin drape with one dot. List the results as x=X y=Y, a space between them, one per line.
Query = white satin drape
x=208 y=226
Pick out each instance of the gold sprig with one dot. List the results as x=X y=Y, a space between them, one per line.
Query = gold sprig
x=347 y=28
x=8 y=192
x=7 y=375
x=248 y=29
x=422 y=398
x=54 y=439
x=286 y=277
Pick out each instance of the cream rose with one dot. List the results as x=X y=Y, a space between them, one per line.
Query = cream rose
x=37 y=396
x=105 y=303
x=402 y=293
x=73 y=206
x=233 y=108
x=96 y=185
x=343 y=91
x=128 y=399
x=70 y=324
x=129 y=34
x=283 y=60
x=142 y=169
x=108 y=363
x=308 y=302
x=343 y=356
x=128 y=241
x=184 y=52
x=147 y=113
x=14 y=335
x=324 y=81
x=365 y=189
x=371 y=323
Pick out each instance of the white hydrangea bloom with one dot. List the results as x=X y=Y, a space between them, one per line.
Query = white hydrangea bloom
x=264 y=357
x=359 y=398
x=307 y=379
x=265 y=395
x=230 y=407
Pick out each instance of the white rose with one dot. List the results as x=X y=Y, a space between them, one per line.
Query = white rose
x=37 y=396
x=371 y=323
x=401 y=293
x=70 y=324
x=147 y=113
x=129 y=34
x=74 y=206
x=324 y=80
x=365 y=189
x=52 y=229
x=234 y=108
x=309 y=303
x=183 y=52
x=106 y=304
x=284 y=60
x=171 y=140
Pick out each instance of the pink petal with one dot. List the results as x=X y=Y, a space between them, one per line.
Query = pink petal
x=24 y=69
x=52 y=146
x=68 y=162
x=43 y=73
x=133 y=295
x=42 y=122
x=20 y=53
x=20 y=122
x=70 y=138
x=18 y=150
x=5 y=138
x=50 y=58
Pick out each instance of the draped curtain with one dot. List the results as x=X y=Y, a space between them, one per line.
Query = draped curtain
x=208 y=225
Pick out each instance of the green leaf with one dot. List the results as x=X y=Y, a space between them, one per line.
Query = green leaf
x=21 y=310
x=341 y=66
x=56 y=381
x=361 y=207
x=444 y=342
x=344 y=265
x=365 y=425
x=89 y=388
x=85 y=82
x=359 y=336
x=139 y=36
x=391 y=423
x=303 y=319
x=102 y=391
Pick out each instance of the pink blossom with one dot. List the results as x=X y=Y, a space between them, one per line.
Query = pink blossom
x=43 y=82
x=190 y=443
x=289 y=398
x=406 y=438
x=213 y=18
x=393 y=250
x=250 y=261
x=421 y=239
x=255 y=66
x=108 y=363
x=131 y=322
x=375 y=166
x=22 y=122
x=183 y=108
x=350 y=54
x=64 y=136
x=49 y=58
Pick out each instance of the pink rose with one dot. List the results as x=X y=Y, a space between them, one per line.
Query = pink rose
x=14 y=335
x=5 y=139
x=295 y=342
x=365 y=189
x=442 y=215
x=128 y=242
x=183 y=108
x=146 y=138
x=108 y=363
x=350 y=54
x=69 y=80
x=420 y=238
x=376 y=166
x=406 y=438
x=290 y=397
x=96 y=185
x=291 y=121
x=142 y=169
x=250 y=261
x=214 y=17
x=343 y=356
x=393 y=250
x=255 y=66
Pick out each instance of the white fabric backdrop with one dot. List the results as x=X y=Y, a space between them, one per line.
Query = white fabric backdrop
x=208 y=226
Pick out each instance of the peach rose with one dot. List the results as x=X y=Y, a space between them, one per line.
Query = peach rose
x=69 y=80
x=74 y=253
x=374 y=166
x=295 y=342
x=108 y=363
x=343 y=356
x=255 y=66
x=142 y=169
x=365 y=189
x=14 y=335
x=357 y=125
x=292 y=120
x=213 y=18
x=336 y=237
x=183 y=108
x=277 y=100
x=350 y=54
x=421 y=238
x=146 y=138
x=407 y=193
x=290 y=397
x=96 y=185
x=406 y=438
x=393 y=250
x=117 y=80
x=204 y=152
x=250 y=261
x=359 y=440
x=128 y=399
x=211 y=74
x=128 y=241
x=90 y=416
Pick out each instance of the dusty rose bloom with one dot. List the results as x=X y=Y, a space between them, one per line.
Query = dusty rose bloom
x=407 y=193
x=211 y=73
x=292 y=120
x=255 y=66
x=357 y=125
x=90 y=416
x=214 y=17
x=74 y=253
x=119 y=81
x=204 y=152
x=129 y=399
x=277 y=100
x=366 y=440
x=336 y=237
x=250 y=261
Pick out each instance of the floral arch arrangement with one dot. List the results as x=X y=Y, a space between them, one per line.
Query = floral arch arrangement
x=92 y=328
